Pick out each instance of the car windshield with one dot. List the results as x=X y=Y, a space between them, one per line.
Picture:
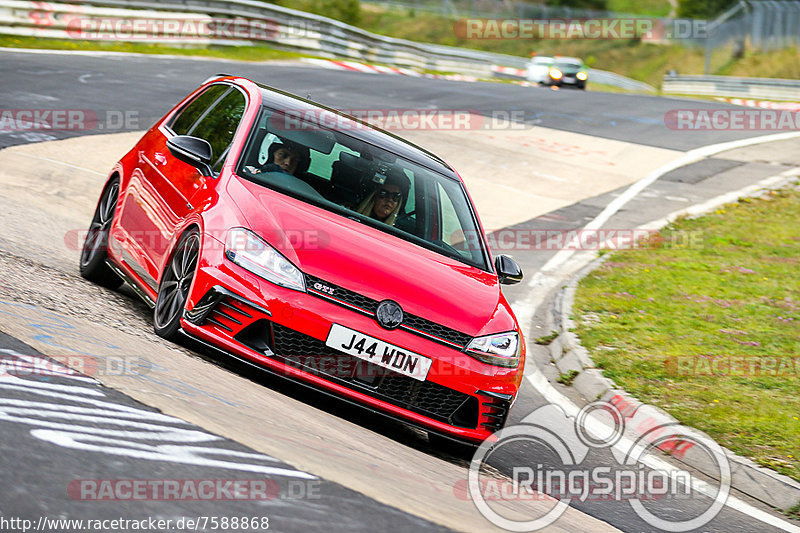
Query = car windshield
x=348 y=176
x=541 y=60
x=569 y=63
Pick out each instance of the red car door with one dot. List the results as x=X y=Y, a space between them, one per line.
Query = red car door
x=163 y=189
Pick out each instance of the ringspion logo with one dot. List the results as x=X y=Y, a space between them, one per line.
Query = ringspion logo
x=561 y=471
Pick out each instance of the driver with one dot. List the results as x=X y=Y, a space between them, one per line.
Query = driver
x=285 y=157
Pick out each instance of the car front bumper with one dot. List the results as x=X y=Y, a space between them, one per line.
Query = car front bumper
x=284 y=331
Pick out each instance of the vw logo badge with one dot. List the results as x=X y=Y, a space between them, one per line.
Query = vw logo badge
x=389 y=314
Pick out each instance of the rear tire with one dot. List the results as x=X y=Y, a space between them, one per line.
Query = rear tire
x=95 y=247
x=173 y=291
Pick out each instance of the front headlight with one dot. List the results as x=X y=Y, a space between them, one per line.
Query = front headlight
x=501 y=349
x=250 y=252
x=581 y=76
x=556 y=74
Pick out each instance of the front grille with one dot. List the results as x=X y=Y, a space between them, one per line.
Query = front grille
x=424 y=397
x=226 y=312
x=224 y=309
x=437 y=330
x=238 y=317
x=367 y=306
x=497 y=408
x=340 y=293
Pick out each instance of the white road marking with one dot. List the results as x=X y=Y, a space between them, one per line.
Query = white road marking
x=32 y=97
x=550 y=177
x=149 y=435
x=84 y=169
x=597 y=427
x=554 y=271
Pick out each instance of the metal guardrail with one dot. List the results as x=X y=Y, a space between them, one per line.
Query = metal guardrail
x=757 y=88
x=289 y=29
x=615 y=80
x=294 y=30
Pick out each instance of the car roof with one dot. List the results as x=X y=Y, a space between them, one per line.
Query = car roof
x=280 y=99
x=569 y=60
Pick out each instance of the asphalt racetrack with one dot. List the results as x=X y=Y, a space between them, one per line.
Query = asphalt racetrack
x=188 y=414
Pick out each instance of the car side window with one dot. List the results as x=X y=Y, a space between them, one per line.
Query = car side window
x=321 y=164
x=219 y=125
x=186 y=118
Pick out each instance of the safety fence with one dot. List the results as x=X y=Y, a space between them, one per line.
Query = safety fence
x=242 y=22
x=755 y=88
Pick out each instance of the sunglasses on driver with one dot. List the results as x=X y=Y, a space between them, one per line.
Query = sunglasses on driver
x=395 y=196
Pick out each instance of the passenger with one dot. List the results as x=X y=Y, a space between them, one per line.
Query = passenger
x=386 y=201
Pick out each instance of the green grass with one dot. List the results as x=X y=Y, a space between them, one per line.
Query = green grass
x=641 y=61
x=659 y=319
x=240 y=53
x=547 y=339
x=632 y=58
x=650 y=8
x=568 y=377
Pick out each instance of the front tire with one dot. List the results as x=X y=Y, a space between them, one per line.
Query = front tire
x=175 y=284
x=95 y=248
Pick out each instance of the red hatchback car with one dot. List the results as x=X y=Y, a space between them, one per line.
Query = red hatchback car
x=298 y=238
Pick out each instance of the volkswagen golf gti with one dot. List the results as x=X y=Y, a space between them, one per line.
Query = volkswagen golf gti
x=311 y=244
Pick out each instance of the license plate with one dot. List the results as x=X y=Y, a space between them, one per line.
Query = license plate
x=378 y=352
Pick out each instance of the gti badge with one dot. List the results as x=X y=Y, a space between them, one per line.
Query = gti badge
x=323 y=288
x=389 y=314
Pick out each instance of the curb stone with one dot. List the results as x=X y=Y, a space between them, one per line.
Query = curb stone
x=569 y=355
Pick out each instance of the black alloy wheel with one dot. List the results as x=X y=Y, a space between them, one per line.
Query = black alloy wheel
x=95 y=247
x=175 y=284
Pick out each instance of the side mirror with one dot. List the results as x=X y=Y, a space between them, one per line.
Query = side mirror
x=193 y=151
x=508 y=271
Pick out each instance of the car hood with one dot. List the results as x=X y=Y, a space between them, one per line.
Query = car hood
x=378 y=265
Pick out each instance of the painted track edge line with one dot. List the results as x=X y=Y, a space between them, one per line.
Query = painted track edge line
x=591 y=382
x=630 y=193
x=545 y=279
x=538 y=380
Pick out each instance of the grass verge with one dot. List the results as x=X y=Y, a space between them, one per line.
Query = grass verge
x=632 y=58
x=235 y=53
x=641 y=61
x=706 y=325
